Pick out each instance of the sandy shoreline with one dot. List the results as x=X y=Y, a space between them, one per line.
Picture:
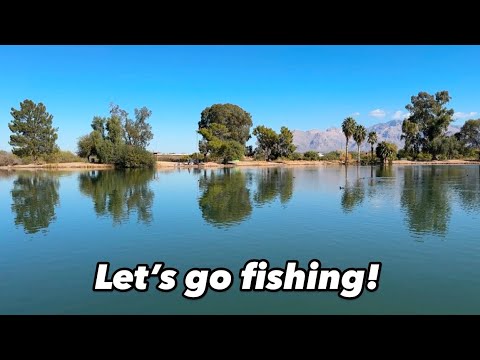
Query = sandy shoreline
x=167 y=165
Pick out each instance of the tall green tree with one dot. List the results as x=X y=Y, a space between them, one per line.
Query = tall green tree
x=348 y=128
x=372 y=140
x=139 y=132
x=236 y=120
x=470 y=134
x=386 y=151
x=431 y=117
x=285 y=143
x=33 y=133
x=267 y=140
x=359 y=136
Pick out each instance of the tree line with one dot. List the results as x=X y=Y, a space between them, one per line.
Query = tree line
x=225 y=129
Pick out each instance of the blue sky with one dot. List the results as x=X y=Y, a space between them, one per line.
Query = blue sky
x=301 y=87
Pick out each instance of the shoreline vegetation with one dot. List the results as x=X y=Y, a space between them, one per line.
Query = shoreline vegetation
x=120 y=141
x=170 y=165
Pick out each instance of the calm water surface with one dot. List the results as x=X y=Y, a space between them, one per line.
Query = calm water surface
x=421 y=222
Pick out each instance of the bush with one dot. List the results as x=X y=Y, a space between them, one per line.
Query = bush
x=9 y=159
x=311 y=155
x=62 y=157
x=332 y=155
x=134 y=157
x=296 y=156
x=424 y=156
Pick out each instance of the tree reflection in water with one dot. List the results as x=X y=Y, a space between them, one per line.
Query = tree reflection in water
x=425 y=199
x=119 y=193
x=353 y=193
x=272 y=183
x=34 y=198
x=225 y=198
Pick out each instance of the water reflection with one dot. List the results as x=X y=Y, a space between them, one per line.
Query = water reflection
x=425 y=199
x=272 y=183
x=353 y=192
x=225 y=198
x=34 y=198
x=119 y=193
x=468 y=189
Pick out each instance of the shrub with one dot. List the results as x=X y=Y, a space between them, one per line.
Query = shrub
x=134 y=157
x=332 y=155
x=62 y=157
x=296 y=156
x=9 y=159
x=311 y=155
x=424 y=156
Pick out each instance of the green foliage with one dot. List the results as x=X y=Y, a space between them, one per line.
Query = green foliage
x=332 y=155
x=469 y=135
x=130 y=156
x=348 y=127
x=372 y=140
x=33 y=133
x=386 y=151
x=231 y=150
x=273 y=145
x=359 y=136
x=61 y=156
x=311 y=155
x=429 y=119
x=139 y=132
x=9 y=159
x=424 y=156
x=296 y=156
x=119 y=140
x=267 y=140
x=285 y=145
x=447 y=147
x=235 y=120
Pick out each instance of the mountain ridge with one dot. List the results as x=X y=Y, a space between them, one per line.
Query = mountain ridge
x=332 y=139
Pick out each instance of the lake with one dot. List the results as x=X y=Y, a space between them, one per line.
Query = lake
x=421 y=222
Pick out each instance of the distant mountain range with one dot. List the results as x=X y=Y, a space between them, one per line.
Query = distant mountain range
x=333 y=139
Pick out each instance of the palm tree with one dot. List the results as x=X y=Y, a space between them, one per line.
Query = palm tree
x=359 y=136
x=372 y=139
x=386 y=151
x=348 y=128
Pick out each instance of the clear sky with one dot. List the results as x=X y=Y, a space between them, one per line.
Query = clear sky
x=301 y=87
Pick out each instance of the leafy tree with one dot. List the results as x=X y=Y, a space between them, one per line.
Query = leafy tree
x=386 y=151
x=267 y=140
x=470 y=134
x=33 y=133
x=446 y=146
x=119 y=140
x=285 y=143
x=359 y=136
x=372 y=140
x=412 y=137
x=311 y=155
x=236 y=120
x=274 y=145
x=431 y=117
x=348 y=128
x=115 y=130
x=139 y=132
